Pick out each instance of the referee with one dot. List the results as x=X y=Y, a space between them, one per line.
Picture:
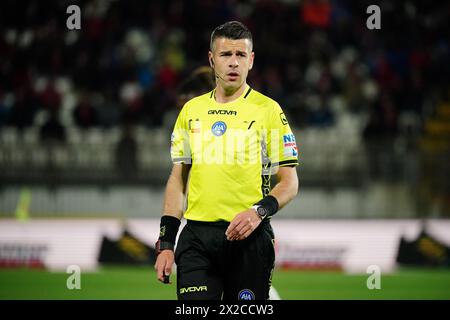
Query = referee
x=225 y=146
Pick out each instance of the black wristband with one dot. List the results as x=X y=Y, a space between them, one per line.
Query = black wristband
x=168 y=228
x=270 y=203
x=163 y=245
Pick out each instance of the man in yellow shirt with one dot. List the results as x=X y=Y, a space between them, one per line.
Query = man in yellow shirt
x=225 y=146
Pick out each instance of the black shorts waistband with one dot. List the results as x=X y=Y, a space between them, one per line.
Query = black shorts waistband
x=221 y=223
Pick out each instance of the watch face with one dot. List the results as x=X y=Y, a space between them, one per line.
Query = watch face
x=262 y=211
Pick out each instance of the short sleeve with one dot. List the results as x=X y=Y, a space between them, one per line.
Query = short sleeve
x=281 y=145
x=180 y=151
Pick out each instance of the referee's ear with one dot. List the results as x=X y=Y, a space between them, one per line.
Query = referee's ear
x=210 y=58
x=252 y=57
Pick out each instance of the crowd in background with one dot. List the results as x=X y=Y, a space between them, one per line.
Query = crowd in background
x=316 y=58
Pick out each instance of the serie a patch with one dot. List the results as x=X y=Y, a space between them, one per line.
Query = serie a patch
x=289 y=145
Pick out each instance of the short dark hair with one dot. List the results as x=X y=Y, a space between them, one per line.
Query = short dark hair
x=200 y=81
x=231 y=30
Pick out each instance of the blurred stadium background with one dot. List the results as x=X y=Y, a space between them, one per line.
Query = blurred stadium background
x=86 y=116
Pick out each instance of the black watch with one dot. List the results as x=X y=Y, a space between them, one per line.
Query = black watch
x=260 y=211
x=163 y=245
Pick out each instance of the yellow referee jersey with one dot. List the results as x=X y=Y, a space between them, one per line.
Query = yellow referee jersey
x=233 y=148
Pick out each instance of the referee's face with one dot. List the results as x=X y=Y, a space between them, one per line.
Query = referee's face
x=231 y=61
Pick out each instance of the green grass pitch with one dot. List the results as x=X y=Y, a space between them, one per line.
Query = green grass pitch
x=140 y=283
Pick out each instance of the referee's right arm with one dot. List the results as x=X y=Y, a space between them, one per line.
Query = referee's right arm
x=170 y=220
x=175 y=190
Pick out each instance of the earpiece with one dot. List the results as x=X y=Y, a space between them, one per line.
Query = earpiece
x=214 y=69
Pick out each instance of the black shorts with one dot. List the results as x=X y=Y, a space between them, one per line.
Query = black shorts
x=209 y=267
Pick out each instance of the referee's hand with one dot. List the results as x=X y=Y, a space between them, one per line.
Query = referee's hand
x=243 y=225
x=163 y=265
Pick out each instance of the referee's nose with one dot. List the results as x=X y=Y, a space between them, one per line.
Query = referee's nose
x=234 y=61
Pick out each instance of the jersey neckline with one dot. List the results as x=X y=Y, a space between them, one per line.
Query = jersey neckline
x=244 y=95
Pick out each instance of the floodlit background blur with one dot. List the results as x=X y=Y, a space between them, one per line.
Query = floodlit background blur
x=86 y=117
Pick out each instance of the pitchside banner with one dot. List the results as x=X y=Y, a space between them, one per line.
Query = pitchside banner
x=348 y=245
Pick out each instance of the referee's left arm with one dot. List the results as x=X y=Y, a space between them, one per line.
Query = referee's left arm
x=284 y=191
x=287 y=187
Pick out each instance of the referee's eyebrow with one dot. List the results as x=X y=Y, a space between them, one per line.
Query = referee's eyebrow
x=229 y=52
